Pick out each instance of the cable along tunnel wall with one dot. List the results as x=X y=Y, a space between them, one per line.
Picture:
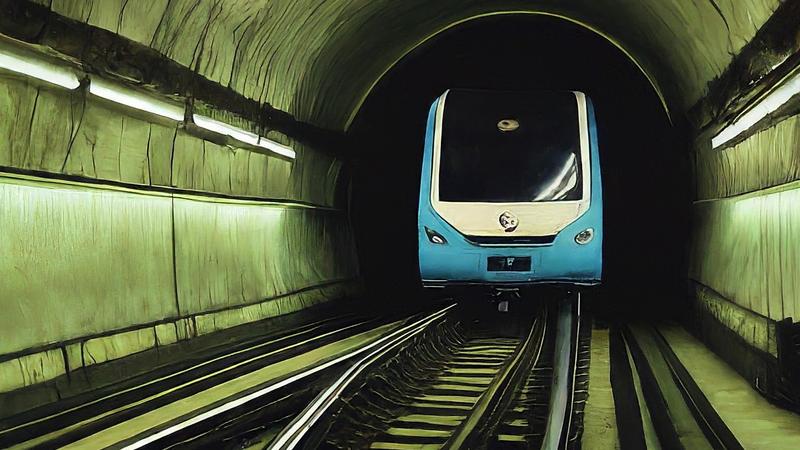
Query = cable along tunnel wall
x=122 y=232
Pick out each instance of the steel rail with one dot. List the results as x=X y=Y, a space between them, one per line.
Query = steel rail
x=88 y=418
x=714 y=428
x=559 y=419
x=236 y=403
x=473 y=429
x=159 y=379
x=294 y=433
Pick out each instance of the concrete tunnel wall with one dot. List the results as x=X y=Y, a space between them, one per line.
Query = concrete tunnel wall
x=106 y=270
x=747 y=221
x=746 y=229
x=318 y=59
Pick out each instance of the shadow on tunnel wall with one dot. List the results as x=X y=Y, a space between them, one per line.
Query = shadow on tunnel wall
x=645 y=166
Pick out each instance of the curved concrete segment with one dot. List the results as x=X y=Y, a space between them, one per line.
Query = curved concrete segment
x=317 y=59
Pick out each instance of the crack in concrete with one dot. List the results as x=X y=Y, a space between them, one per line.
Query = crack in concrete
x=149 y=162
x=94 y=160
x=234 y=67
x=119 y=148
x=160 y=23
x=172 y=159
x=31 y=134
x=121 y=15
x=197 y=56
x=727 y=26
x=74 y=129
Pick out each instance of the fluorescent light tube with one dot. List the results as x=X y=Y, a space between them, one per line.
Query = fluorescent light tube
x=242 y=135
x=764 y=107
x=277 y=148
x=38 y=68
x=136 y=100
x=223 y=128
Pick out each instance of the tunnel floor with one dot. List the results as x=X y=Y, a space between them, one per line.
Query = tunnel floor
x=454 y=374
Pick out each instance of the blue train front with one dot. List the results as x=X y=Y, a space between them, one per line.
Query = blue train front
x=511 y=192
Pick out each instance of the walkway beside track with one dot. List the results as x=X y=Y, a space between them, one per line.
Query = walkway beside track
x=659 y=387
x=599 y=423
x=755 y=422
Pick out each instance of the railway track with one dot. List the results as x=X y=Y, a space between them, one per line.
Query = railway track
x=246 y=389
x=451 y=377
x=434 y=414
x=465 y=383
x=454 y=377
x=524 y=422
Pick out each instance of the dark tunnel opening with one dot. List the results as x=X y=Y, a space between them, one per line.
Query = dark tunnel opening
x=644 y=161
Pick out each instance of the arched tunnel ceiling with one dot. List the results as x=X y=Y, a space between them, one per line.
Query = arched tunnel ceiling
x=317 y=59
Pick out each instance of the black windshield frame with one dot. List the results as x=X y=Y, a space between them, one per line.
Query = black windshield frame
x=484 y=161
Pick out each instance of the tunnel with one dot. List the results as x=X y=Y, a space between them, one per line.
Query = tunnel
x=203 y=197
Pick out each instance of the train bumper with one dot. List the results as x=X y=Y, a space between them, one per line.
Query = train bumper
x=461 y=262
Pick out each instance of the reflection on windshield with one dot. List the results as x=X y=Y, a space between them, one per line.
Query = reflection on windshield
x=565 y=181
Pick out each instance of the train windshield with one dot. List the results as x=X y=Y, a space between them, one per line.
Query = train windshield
x=510 y=147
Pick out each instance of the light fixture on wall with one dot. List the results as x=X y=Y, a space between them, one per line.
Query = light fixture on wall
x=767 y=105
x=16 y=58
x=136 y=100
x=223 y=128
x=277 y=148
x=37 y=67
x=242 y=135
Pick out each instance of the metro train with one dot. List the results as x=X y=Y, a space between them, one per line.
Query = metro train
x=510 y=193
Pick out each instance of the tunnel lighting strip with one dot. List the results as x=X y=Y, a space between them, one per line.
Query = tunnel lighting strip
x=261 y=392
x=291 y=436
x=276 y=148
x=225 y=129
x=135 y=100
x=242 y=135
x=39 y=69
x=760 y=110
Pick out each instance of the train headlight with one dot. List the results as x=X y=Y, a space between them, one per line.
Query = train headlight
x=435 y=237
x=585 y=236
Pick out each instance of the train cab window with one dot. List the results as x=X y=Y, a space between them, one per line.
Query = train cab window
x=510 y=147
